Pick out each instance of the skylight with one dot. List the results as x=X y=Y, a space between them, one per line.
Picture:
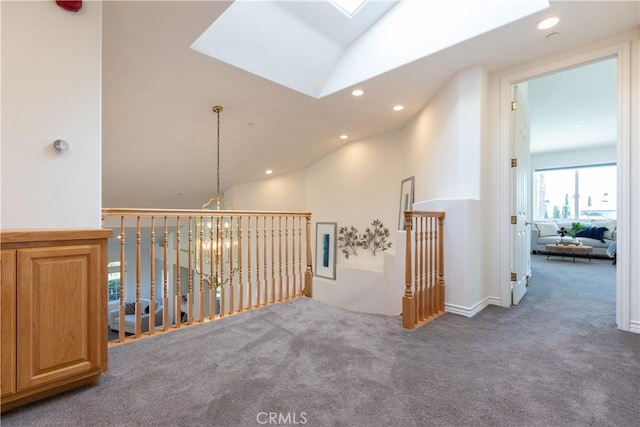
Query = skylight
x=311 y=47
x=348 y=7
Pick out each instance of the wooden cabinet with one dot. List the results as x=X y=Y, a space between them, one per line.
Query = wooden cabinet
x=54 y=308
x=8 y=319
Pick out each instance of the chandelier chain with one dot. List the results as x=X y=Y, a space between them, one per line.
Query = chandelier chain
x=218 y=158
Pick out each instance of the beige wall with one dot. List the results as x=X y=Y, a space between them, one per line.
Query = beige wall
x=51 y=89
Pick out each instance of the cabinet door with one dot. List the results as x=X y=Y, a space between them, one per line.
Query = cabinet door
x=8 y=321
x=58 y=298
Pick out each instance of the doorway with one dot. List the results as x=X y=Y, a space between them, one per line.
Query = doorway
x=621 y=54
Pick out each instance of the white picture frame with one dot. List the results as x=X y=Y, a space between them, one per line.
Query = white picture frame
x=326 y=250
x=406 y=200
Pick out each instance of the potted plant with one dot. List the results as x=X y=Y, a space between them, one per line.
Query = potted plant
x=575 y=228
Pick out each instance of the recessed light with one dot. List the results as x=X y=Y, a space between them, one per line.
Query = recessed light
x=344 y=136
x=357 y=92
x=268 y=171
x=545 y=24
x=398 y=108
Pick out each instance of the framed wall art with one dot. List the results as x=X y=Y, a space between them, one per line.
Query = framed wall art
x=406 y=200
x=326 y=250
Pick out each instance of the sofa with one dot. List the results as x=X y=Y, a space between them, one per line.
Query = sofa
x=130 y=317
x=546 y=232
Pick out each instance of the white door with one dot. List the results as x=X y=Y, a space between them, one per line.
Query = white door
x=520 y=195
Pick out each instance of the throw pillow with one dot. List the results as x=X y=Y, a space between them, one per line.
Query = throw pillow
x=146 y=310
x=129 y=308
x=547 y=228
x=592 y=233
x=609 y=224
x=599 y=233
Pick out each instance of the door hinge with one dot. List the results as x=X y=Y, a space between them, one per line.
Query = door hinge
x=514 y=277
x=514 y=219
x=514 y=105
x=514 y=163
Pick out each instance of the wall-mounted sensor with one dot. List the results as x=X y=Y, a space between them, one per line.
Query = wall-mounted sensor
x=60 y=145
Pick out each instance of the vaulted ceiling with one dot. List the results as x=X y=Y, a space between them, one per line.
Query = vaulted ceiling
x=159 y=133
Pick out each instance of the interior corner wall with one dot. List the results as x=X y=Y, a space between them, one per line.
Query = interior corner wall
x=445 y=139
x=358 y=183
x=51 y=89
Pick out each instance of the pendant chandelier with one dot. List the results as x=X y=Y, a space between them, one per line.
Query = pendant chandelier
x=214 y=246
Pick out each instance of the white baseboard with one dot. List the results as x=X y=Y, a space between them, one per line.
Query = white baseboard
x=474 y=309
x=494 y=301
x=634 y=326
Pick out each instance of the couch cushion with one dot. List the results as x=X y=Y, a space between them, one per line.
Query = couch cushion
x=594 y=243
x=547 y=228
x=608 y=223
x=593 y=233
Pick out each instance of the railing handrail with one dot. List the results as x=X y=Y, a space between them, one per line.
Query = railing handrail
x=198 y=212
x=433 y=214
x=227 y=260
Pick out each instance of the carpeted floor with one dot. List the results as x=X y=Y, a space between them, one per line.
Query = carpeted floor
x=555 y=360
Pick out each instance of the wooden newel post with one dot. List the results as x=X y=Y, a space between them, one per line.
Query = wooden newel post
x=308 y=275
x=408 y=314
x=441 y=263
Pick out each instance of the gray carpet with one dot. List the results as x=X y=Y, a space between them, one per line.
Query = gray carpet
x=555 y=360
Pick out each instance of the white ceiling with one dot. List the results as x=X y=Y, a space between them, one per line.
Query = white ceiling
x=159 y=130
x=574 y=108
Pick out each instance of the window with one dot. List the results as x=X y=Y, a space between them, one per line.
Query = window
x=585 y=192
x=113 y=281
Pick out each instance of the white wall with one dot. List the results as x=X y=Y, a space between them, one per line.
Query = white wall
x=281 y=193
x=51 y=89
x=360 y=182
